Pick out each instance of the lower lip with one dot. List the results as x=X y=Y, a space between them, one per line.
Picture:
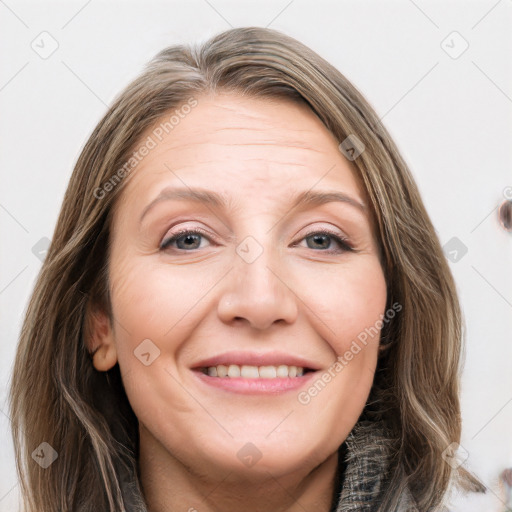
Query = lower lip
x=255 y=386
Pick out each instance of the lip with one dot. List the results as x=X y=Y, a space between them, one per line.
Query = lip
x=243 y=386
x=274 y=358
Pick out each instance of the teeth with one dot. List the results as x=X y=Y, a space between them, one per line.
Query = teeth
x=254 y=372
x=282 y=371
x=249 y=372
x=234 y=370
x=267 y=372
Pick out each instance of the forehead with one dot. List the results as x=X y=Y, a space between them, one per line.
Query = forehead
x=246 y=146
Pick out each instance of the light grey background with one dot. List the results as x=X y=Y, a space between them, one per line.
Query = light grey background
x=451 y=118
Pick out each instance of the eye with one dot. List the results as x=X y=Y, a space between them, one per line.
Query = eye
x=188 y=239
x=185 y=239
x=322 y=240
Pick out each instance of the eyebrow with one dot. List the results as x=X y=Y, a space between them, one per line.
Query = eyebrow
x=303 y=200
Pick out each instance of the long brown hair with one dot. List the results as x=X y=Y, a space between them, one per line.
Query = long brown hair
x=59 y=398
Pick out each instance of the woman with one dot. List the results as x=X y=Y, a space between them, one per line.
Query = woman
x=244 y=305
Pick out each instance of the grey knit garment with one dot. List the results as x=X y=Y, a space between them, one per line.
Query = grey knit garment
x=367 y=457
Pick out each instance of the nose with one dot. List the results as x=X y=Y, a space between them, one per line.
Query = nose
x=257 y=292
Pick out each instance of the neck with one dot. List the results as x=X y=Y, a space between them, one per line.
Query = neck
x=170 y=485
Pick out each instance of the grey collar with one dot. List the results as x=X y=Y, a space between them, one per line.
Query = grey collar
x=363 y=470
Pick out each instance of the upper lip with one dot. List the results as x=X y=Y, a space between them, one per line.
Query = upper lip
x=256 y=359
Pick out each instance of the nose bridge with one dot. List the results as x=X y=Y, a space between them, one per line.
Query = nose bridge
x=253 y=262
x=256 y=291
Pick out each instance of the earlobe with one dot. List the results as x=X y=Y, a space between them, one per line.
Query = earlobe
x=101 y=342
x=104 y=357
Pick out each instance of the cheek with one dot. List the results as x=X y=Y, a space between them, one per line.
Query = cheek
x=151 y=300
x=347 y=302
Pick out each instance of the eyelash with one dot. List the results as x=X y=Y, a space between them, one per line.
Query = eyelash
x=342 y=241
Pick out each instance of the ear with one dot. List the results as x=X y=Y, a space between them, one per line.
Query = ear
x=101 y=341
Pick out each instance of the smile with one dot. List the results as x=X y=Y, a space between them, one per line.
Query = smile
x=247 y=380
x=254 y=372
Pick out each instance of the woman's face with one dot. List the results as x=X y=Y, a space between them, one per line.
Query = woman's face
x=255 y=285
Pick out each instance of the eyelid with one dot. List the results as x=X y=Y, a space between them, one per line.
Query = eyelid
x=341 y=239
x=184 y=231
x=331 y=230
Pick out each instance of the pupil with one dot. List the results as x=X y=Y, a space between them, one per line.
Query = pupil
x=324 y=237
x=189 y=240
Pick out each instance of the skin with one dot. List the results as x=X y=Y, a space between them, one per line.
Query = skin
x=198 y=302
